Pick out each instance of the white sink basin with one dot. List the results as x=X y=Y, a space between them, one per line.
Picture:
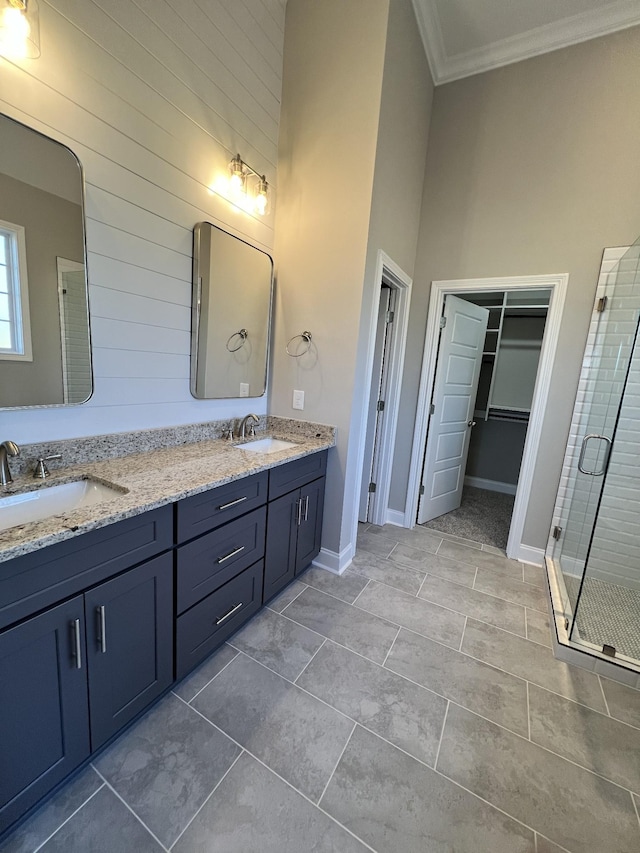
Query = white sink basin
x=266 y=445
x=52 y=500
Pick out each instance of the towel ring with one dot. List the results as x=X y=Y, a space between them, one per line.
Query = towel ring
x=305 y=336
x=242 y=334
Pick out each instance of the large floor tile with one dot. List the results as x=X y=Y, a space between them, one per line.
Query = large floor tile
x=434 y=564
x=293 y=590
x=296 y=735
x=535 y=575
x=546 y=846
x=570 y=805
x=481 y=559
x=538 y=627
x=202 y=675
x=417 y=537
x=595 y=741
x=254 y=811
x=470 y=602
x=375 y=543
x=103 y=825
x=481 y=688
x=345 y=587
x=30 y=835
x=278 y=643
x=623 y=701
x=166 y=766
x=511 y=589
x=407 y=715
x=384 y=571
x=362 y=632
x=532 y=661
x=398 y=805
x=413 y=558
x=426 y=618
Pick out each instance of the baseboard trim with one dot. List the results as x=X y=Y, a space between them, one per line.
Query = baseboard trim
x=527 y=554
x=334 y=562
x=491 y=485
x=396 y=517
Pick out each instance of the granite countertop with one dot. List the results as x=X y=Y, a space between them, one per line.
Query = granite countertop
x=151 y=479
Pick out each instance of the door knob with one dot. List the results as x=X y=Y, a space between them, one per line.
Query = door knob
x=471 y=423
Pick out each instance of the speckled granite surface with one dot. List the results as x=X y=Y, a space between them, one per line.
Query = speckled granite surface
x=167 y=465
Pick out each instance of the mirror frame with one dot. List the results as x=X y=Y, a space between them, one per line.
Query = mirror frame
x=86 y=275
x=196 y=296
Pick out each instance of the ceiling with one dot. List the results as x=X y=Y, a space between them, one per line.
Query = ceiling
x=464 y=37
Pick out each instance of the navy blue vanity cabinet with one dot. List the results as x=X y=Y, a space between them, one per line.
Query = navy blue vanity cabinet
x=294 y=520
x=44 y=712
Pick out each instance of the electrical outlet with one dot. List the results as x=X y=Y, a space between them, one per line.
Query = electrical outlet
x=298 y=400
x=244 y=389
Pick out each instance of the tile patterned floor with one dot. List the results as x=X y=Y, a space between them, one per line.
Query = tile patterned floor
x=410 y=706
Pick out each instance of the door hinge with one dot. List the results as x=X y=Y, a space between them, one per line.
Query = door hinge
x=372 y=487
x=601 y=304
x=380 y=406
x=556 y=532
x=421 y=489
x=443 y=322
x=432 y=409
x=390 y=316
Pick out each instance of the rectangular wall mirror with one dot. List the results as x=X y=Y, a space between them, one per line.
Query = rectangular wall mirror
x=45 y=351
x=231 y=315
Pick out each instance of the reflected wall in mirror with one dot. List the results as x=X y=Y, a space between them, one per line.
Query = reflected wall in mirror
x=45 y=352
x=231 y=315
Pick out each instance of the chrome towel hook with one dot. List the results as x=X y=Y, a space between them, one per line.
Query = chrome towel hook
x=242 y=334
x=306 y=337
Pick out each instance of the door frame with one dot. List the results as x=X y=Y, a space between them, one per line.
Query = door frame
x=557 y=283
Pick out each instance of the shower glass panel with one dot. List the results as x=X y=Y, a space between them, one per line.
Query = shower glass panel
x=598 y=551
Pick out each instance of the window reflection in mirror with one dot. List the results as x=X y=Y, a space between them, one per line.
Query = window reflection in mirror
x=45 y=354
x=231 y=314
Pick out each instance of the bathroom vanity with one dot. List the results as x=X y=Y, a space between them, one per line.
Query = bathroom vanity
x=98 y=624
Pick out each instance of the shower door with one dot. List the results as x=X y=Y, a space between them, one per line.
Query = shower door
x=598 y=539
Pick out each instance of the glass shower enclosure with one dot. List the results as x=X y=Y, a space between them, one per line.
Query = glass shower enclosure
x=593 y=555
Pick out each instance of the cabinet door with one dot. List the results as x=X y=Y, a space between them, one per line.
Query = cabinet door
x=282 y=535
x=44 y=718
x=310 y=529
x=129 y=644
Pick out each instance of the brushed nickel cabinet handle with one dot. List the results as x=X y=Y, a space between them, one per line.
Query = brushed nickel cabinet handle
x=232 y=503
x=77 y=647
x=230 y=555
x=299 y=512
x=102 y=628
x=306 y=507
x=227 y=615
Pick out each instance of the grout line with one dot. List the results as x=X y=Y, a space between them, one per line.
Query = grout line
x=444 y=722
x=636 y=807
x=392 y=550
x=475 y=578
x=417 y=595
x=606 y=704
x=324 y=640
x=344 y=749
x=306 y=586
x=67 y=819
x=122 y=800
x=206 y=800
x=464 y=628
x=528 y=714
x=439 y=546
x=215 y=676
x=390 y=647
x=359 y=594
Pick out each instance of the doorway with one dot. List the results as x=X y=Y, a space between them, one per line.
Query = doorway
x=512 y=289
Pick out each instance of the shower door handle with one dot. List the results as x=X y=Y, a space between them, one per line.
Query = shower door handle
x=583 y=450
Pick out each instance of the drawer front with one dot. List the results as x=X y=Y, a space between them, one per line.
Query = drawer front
x=204 y=512
x=203 y=628
x=286 y=478
x=212 y=560
x=37 y=580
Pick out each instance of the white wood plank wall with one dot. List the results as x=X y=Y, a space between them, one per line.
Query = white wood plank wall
x=154 y=96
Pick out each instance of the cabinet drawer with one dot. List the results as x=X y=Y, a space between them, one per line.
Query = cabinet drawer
x=286 y=478
x=37 y=580
x=204 y=512
x=213 y=559
x=203 y=628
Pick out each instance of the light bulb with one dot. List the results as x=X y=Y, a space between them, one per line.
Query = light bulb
x=261 y=200
x=14 y=32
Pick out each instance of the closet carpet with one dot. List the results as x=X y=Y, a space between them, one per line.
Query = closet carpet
x=483 y=516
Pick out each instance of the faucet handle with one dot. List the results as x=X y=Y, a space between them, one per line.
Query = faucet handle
x=252 y=429
x=228 y=434
x=41 y=471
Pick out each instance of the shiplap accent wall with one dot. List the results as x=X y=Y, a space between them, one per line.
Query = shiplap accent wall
x=608 y=505
x=154 y=96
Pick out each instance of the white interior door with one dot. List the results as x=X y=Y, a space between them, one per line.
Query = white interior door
x=453 y=401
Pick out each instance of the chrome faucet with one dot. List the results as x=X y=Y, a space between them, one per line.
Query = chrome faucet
x=243 y=425
x=7 y=448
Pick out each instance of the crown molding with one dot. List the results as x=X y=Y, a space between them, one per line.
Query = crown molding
x=550 y=37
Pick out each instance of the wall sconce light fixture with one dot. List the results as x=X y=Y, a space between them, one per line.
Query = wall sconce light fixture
x=245 y=188
x=19 y=29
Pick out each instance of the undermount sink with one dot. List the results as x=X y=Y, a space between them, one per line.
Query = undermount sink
x=52 y=500
x=266 y=445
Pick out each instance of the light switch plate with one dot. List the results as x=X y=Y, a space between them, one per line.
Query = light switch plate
x=298 y=400
x=244 y=389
